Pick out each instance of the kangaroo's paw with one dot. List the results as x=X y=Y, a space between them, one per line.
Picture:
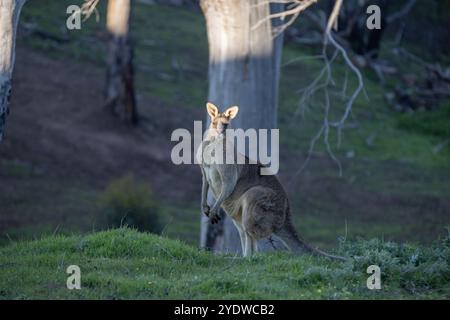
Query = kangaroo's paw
x=206 y=210
x=214 y=217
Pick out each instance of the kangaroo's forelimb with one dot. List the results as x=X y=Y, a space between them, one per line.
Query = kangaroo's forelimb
x=228 y=183
x=205 y=187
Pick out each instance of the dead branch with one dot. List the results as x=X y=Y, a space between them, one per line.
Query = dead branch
x=333 y=18
x=322 y=83
x=355 y=94
x=316 y=84
x=86 y=10
x=320 y=20
x=294 y=8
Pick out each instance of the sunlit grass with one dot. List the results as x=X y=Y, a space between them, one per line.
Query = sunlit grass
x=125 y=264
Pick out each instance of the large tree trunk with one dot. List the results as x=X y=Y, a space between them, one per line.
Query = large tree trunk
x=9 y=19
x=244 y=70
x=119 y=92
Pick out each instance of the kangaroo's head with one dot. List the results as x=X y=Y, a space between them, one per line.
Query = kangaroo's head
x=220 y=121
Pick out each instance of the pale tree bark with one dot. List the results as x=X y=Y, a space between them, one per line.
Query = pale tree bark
x=244 y=70
x=119 y=91
x=9 y=19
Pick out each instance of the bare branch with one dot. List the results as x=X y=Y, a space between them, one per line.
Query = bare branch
x=280 y=29
x=333 y=17
x=315 y=85
x=326 y=133
x=355 y=94
x=86 y=10
x=272 y=1
x=295 y=8
x=324 y=79
x=322 y=83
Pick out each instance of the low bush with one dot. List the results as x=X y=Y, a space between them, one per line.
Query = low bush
x=126 y=202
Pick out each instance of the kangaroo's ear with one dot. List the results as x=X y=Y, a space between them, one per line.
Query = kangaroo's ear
x=212 y=110
x=231 y=112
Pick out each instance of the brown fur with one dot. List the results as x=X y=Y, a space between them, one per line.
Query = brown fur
x=257 y=204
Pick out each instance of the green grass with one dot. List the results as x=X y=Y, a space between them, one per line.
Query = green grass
x=126 y=264
x=436 y=122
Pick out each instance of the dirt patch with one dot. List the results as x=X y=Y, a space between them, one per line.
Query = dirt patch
x=58 y=134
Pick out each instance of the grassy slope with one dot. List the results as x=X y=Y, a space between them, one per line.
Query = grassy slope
x=399 y=163
x=124 y=264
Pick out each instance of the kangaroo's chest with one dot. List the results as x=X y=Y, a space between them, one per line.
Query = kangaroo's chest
x=206 y=157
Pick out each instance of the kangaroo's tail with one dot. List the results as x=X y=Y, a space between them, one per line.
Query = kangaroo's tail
x=297 y=245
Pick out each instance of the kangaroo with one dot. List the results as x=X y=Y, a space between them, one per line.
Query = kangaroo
x=257 y=204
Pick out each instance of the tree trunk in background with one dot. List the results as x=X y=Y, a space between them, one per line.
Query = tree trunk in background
x=244 y=70
x=119 y=92
x=9 y=19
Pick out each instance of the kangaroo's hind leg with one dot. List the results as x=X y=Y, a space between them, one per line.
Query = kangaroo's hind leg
x=251 y=246
x=262 y=212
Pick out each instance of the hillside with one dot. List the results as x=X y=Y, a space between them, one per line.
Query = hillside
x=126 y=264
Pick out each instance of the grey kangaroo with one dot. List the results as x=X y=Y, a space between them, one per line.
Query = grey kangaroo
x=257 y=204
